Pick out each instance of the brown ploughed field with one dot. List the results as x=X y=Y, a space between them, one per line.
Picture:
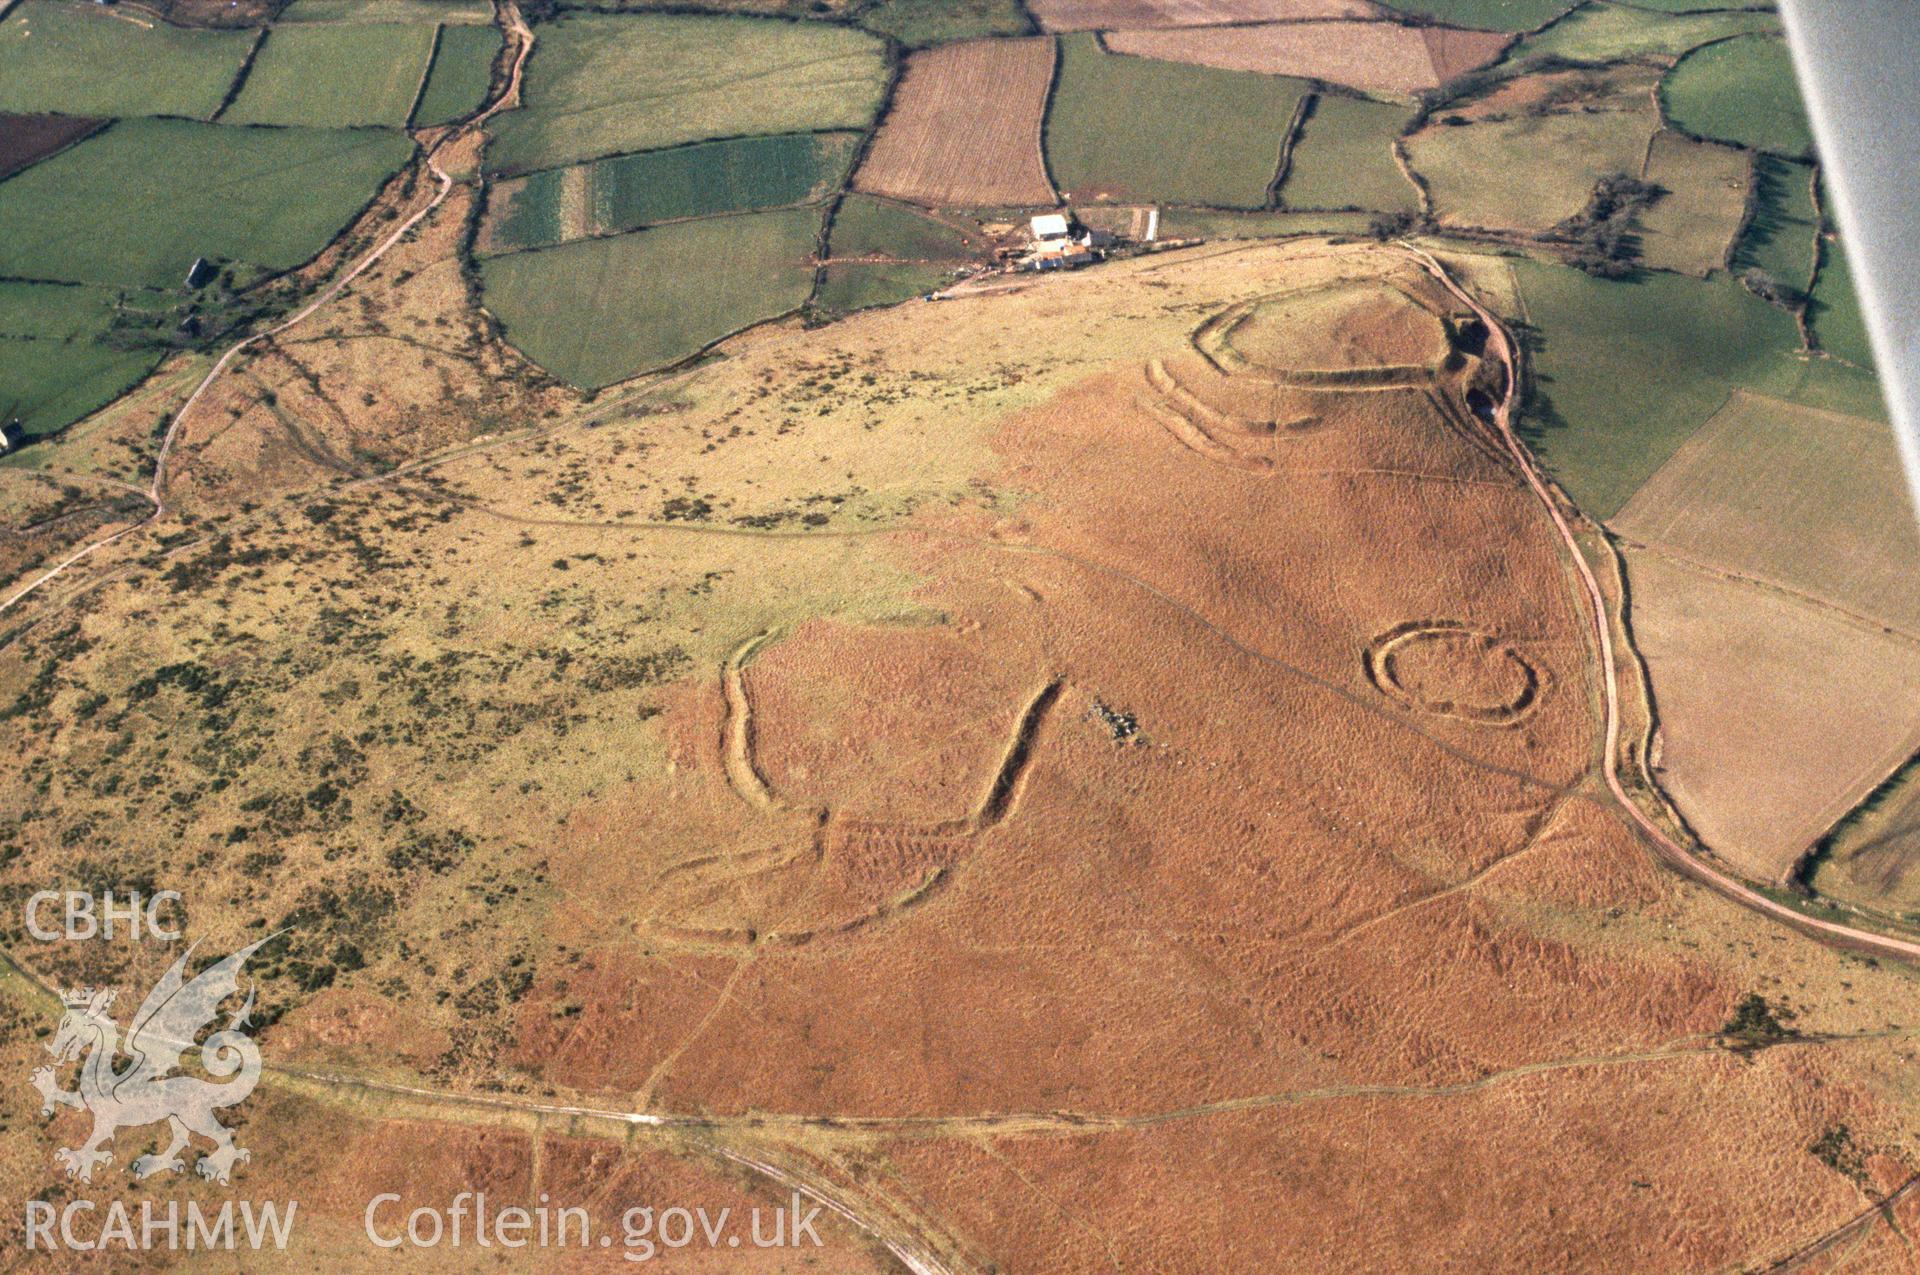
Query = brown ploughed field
x=1762 y=747
x=1378 y=56
x=1120 y=15
x=965 y=127
x=28 y=139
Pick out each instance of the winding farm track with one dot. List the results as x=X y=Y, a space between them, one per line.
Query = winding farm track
x=521 y=34
x=1677 y=856
x=910 y=1250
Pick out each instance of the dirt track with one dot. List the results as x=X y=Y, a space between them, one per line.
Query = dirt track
x=1669 y=850
x=521 y=34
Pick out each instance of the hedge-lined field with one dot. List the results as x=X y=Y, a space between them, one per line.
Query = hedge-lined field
x=630 y=191
x=82 y=60
x=431 y=12
x=1839 y=324
x=1487 y=15
x=135 y=205
x=462 y=71
x=1740 y=91
x=340 y=75
x=1604 y=33
x=1473 y=160
x=1690 y=228
x=869 y=227
x=1343 y=158
x=54 y=363
x=1125 y=128
x=603 y=84
x=851 y=287
x=1779 y=239
x=917 y=23
x=1628 y=370
x=602 y=310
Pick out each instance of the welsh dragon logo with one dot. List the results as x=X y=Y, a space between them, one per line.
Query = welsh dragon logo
x=150 y=1088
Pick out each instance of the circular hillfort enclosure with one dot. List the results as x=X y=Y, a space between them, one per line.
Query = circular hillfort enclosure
x=1443 y=667
x=1364 y=333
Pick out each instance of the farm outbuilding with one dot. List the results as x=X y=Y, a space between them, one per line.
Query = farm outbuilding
x=1049 y=227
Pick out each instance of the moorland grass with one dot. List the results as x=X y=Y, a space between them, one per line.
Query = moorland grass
x=1343 y=158
x=1607 y=33
x=135 y=205
x=462 y=70
x=82 y=60
x=870 y=227
x=1740 y=91
x=601 y=310
x=1129 y=128
x=338 y=75
x=918 y=23
x=603 y=84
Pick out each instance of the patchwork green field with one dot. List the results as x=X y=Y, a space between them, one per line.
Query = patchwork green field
x=339 y=75
x=602 y=85
x=1740 y=91
x=462 y=69
x=125 y=208
x=54 y=363
x=845 y=288
x=602 y=310
x=431 y=12
x=1603 y=129
x=82 y=60
x=869 y=227
x=1343 y=158
x=1188 y=223
x=559 y=205
x=1487 y=15
x=1691 y=227
x=1607 y=32
x=918 y=23
x=1839 y=325
x=1627 y=371
x=1125 y=128
x=1780 y=237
